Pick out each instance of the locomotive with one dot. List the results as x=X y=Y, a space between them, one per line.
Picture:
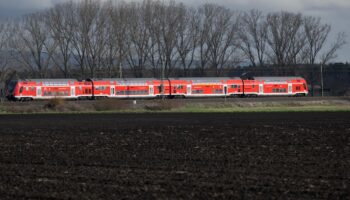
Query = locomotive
x=31 y=89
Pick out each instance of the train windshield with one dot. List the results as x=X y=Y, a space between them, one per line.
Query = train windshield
x=11 y=86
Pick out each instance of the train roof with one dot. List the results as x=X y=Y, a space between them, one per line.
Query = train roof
x=50 y=80
x=195 y=79
x=277 y=78
x=138 y=80
x=206 y=79
x=124 y=79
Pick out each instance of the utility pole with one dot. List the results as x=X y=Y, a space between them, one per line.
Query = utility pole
x=322 y=79
x=162 y=81
x=120 y=70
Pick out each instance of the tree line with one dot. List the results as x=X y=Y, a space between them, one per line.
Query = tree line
x=79 y=39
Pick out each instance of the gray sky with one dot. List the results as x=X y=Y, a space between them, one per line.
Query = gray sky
x=334 y=12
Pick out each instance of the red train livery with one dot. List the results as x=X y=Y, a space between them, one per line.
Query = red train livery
x=151 y=88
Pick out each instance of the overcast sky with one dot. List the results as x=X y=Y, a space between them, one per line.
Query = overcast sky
x=334 y=12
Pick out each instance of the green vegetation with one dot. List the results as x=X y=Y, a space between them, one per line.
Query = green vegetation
x=325 y=108
x=174 y=106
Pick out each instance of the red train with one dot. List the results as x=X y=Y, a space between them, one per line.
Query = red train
x=151 y=88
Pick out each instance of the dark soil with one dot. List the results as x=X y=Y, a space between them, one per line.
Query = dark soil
x=174 y=156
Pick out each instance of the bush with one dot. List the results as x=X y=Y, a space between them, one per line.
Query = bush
x=54 y=103
x=347 y=92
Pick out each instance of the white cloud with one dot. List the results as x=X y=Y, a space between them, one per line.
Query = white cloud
x=24 y=4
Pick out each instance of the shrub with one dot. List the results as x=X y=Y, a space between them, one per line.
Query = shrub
x=54 y=103
x=347 y=92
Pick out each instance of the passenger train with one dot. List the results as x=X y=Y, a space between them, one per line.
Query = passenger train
x=31 y=89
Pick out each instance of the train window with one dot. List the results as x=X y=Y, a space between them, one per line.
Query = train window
x=100 y=87
x=217 y=91
x=197 y=91
x=180 y=87
x=33 y=88
x=253 y=86
x=234 y=86
x=21 y=90
x=297 y=88
x=27 y=89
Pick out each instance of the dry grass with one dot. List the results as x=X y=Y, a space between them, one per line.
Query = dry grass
x=111 y=105
x=66 y=106
x=166 y=104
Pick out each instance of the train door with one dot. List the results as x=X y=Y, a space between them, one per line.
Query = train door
x=38 y=91
x=261 y=88
x=290 y=91
x=72 y=91
x=151 y=90
x=188 y=89
x=225 y=89
x=112 y=90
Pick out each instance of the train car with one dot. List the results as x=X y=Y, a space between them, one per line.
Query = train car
x=151 y=88
x=234 y=87
x=213 y=87
x=171 y=88
x=133 y=88
x=84 y=90
x=275 y=86
x=175 y=87
x=100 y=88
x=251 y=88
x=30 y=89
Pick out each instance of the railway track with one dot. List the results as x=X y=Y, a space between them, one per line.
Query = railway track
x=209 y=99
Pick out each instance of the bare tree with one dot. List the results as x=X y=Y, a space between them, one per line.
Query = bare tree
x=60 y=20
x=118 y=38
x=223 y=37
x=206 y=16
x=164 y=29
x=285 y=37
x=139 y=22
x=33 y=44
x=316 y=35
x=187 y=37
x=96 y=36
x=83 y=20
x=253 y=37
x=4 y=58
x=335 y=46
x=158 y=35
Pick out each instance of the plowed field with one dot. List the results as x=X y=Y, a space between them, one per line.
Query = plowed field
x=174 y=156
